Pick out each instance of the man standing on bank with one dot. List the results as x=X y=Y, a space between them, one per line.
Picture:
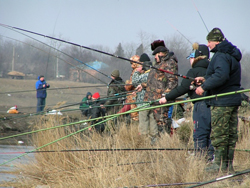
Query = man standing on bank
x=223 y=75
x=41 y=93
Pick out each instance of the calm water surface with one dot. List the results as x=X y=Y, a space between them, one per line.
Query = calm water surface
x=8 y=152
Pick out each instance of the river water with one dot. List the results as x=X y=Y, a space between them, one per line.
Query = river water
x=8 y=152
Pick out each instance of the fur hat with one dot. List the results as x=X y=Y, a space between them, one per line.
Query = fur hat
x=96 y=95
x=215 y=35
x=115 y=73
x=157 y=43
x=200 y=50
x=160 y=49
x=144 y=57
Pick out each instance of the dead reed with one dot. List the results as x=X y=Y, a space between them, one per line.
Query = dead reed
x=122 y=168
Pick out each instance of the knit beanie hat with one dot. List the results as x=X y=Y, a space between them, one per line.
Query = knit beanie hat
x=115 y=73
x=96 y=95
x=215 y=35
x=144 y=57
x=157 y=43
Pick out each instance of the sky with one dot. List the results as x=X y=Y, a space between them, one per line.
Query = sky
x=110 y=22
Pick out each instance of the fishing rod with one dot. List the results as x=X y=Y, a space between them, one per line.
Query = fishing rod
x=71 y=134
x=68 y=87
x=115 y=98
x=54 y=55
x=58 y=51
x=49 y=89
x=179 y=32
x=200 y=16
x=104 y=150
x=221 y=178
x=99 y=51
x=134 y=110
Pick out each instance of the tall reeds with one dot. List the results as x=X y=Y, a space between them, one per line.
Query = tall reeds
x=122 y=168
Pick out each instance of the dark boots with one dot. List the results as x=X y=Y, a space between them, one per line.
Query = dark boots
x=230 y=161
x=223 y=160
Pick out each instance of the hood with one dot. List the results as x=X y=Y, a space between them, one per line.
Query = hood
x=200 y=61
x=38 y=77
x=227 y=47
x=88 y=94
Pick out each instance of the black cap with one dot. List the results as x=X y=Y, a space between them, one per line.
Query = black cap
x=160 y=49
x=144 y=57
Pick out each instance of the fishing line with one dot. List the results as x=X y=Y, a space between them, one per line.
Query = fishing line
x=179 y=32
x=52 y=54
x=106 y=53
x=200 y=16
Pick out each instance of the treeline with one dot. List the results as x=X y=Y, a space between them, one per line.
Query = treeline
x=34 y=58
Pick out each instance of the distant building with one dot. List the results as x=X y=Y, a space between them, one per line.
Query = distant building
x=16 y=75
x=79 y=74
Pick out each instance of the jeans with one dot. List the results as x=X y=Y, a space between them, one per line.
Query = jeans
x=40 y=104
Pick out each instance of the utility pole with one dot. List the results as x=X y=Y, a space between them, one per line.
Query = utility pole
x=57 y=68
x=13 y=58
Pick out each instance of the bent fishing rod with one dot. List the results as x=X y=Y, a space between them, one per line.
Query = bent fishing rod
x=11 y=28
x=54 y=55
x=99 y=51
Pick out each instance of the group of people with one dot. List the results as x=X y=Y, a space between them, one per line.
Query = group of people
x=215 y=119
x=223 y=74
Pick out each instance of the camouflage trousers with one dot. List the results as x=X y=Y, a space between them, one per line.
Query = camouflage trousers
x=163 y=122
x=224 y=122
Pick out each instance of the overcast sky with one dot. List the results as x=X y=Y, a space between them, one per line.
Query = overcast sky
x=109 y=22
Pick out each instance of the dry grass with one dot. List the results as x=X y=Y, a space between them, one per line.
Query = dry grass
x=121 y=168
x=105 y=168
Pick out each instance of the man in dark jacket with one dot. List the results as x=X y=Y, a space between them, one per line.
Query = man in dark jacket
x=115 y=87
x=95 y=111
x=201 y=112
x=41 y=93
x=223 y=75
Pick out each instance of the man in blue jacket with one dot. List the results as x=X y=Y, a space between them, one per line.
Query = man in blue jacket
x=41 y=93
x=223 y=75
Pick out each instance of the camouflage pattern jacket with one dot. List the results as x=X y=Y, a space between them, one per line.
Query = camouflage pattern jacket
x=130 y=97
x=161 y=82
x=115 y=86
x=137 y=79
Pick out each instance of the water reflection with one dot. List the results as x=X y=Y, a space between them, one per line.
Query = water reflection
x=8 y=152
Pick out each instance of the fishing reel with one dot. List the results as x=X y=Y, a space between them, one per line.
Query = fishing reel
x=193 y=87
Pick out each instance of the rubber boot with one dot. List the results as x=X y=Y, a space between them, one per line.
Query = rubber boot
x=230 y=161
x=215 y=167
x=168 y=126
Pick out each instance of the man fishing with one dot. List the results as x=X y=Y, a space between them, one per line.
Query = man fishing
x=223 y=75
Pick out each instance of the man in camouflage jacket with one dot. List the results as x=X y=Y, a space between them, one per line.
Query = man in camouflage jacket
x=116 y=86
x=160 y=82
